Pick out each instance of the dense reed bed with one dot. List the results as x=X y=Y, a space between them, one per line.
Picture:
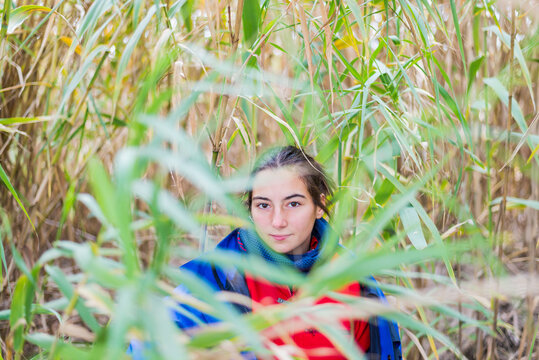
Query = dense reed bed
x=127 y=129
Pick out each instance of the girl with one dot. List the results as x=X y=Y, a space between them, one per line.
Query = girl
x=288 y=197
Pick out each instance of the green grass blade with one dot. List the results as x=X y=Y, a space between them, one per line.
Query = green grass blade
x=251 y=21
x=412 y=226
x=69 y=201
x=79 y=75
x=475 y=65
x=26 y=120
x=424 y=216
x=459 y=36
x=95 y=12
x=136 y=11
x=129 y=48
x=502 y=94
x=7 y=183
x=513 y=202
x=19 y=304
x=5 y=233
x=506 y=39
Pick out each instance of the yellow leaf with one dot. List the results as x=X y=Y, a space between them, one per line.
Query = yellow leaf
x=532 y=154
x=346 y=42
x=68 y=41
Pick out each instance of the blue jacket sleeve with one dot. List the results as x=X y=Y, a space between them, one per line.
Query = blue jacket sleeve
x=385 y=338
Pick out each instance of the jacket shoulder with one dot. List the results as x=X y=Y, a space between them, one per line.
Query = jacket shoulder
x=204 y=269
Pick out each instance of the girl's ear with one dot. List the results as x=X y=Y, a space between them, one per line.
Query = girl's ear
x=320 y=211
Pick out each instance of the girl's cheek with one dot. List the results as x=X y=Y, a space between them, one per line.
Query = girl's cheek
x=258 y=216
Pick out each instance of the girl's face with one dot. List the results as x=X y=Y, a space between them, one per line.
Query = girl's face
x=283 y=210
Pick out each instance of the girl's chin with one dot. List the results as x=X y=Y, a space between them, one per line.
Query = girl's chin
x=279 y=248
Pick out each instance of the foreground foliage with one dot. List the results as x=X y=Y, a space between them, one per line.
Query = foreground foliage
x=127 y=128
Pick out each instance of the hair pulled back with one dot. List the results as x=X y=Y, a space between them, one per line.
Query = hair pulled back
x=309 y=170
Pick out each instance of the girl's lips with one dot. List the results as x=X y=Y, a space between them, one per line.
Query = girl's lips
x=279 y=237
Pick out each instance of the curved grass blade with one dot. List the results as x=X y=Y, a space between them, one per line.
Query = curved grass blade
x=95 y=12
x=412 y=226
x=20 y=14
x=459 y=36
x=423 y=215
x=513 y=202
x=7 y=183
x=506 y=39
x=129 y=48
x=502 y=94
x=77 y=77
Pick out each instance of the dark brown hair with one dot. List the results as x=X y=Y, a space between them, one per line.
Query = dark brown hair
x=309 y=171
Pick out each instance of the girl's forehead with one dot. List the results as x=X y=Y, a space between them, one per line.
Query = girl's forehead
x=277 y=181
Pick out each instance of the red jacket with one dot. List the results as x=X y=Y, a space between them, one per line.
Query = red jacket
x=307 y=341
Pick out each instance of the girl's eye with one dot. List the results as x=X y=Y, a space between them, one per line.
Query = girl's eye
x=294 y=204
x=262 y=205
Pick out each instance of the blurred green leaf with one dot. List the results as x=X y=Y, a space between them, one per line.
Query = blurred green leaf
x=69 y=201
x=475 y=65
x=356 y=267
x=341 y=340
x=125 y=312
x=162 y=330
x=174 y=8
x=103 y=190
x=167 y=204
x=18 y=320
x=412 y=226
x=513 y=202
x=104 y=271
x=67 y=289
x=20 y=14
x=94 y=13
x=21 y=264
x=251 y=21
x=383 y=193
x=50 y=307
x=186 y=10
x=58 y=348
x=221 y=310
x=92 y=205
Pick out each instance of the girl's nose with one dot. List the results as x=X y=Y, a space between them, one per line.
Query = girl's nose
x=278 y=220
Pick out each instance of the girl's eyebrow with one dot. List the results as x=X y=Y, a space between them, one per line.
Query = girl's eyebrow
x=261 y=198
x=294 y=195
x=286 y=198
